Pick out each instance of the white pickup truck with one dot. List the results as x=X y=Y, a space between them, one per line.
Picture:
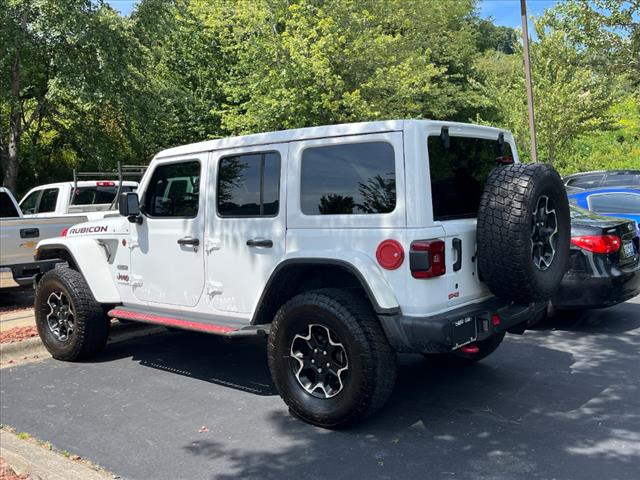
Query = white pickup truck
x=19 y=237
x=92 y=198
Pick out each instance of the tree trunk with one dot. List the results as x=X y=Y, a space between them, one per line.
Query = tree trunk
x=10 y=167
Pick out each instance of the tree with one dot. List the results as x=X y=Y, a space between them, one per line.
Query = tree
x=294 y=64
x=67 y=94
x=571 y=98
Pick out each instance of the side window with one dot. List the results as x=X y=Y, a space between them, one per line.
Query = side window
x=458 y=174
x=354 y=178
x=48 y=200
x=30 y=203
x=7 y=208
x=249 y=185
x=615 y=203
x=173 y=191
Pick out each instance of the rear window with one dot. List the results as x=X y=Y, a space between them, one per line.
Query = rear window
x=7 y=208
x=621 y=179
x=48 y=200
x=586 y=181
x=615 y=203
x=458 y=173
x=354 y=178
x=97 y=195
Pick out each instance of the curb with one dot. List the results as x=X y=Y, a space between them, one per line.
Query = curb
x=27 y=458
x=33 y=346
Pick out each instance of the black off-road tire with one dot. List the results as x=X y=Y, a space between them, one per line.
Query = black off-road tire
x=372 y=361
x=461 y=359
x=91 y=324
x=505 y=229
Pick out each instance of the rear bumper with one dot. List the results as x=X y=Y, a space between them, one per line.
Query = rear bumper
x=451 y=330
x=22 y=274
x=584 y=290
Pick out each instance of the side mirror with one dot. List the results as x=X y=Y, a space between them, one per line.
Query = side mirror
x=129 y=206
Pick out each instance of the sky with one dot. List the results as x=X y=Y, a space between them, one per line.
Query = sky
x=504 y=12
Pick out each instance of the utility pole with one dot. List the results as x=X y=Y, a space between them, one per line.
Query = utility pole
x=527 y=73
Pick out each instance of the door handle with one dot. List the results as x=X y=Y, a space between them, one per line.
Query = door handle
x=259 y=243
x=457 y=246
x=194 y=242
x=29 y=232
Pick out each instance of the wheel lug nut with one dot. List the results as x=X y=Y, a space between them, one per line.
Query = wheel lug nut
x=328 y=364
x=324 y=352
x=319 y=370
x=313 y=361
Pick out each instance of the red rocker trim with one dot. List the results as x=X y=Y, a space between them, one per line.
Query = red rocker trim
x=168 y=321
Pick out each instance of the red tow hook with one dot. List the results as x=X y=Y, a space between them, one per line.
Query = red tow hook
x=470 y=349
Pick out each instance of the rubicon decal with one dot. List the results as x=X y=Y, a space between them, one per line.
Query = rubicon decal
x=93 y=229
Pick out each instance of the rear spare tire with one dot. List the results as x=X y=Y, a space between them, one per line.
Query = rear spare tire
x=523 y=232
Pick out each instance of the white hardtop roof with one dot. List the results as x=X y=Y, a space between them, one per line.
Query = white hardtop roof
x=344 y=129
x=86 y=183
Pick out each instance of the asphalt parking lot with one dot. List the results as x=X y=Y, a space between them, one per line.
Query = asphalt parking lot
x=561 y=402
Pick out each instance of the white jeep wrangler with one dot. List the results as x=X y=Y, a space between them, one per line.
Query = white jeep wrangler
x=342 y=244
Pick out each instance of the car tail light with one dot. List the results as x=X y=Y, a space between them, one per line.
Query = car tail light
x=64 y=231
x=426 y=258
x=106 y=184
x=597 y=243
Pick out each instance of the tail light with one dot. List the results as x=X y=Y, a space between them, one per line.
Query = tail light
x=598 y=243
x=105 y=184
x=64 y=231
x=426 y=258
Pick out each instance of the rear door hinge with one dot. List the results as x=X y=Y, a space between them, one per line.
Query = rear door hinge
x=214 y=288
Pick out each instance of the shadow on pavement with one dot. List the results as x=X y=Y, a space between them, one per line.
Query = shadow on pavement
x=240 y=364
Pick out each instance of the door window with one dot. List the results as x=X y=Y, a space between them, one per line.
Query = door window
x=30 y=203
x=347 y=179
x=173 y=191
x=458 y=174
x=249 y=185
x=48 y=200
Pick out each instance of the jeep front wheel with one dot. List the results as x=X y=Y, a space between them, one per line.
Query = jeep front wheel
x=329 y=358
x=71 y=324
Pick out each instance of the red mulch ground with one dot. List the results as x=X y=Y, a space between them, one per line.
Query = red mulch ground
x=6 y=473
x=17 y=334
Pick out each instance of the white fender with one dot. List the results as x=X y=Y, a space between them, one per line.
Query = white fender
x=91 y=259
x=369 y=271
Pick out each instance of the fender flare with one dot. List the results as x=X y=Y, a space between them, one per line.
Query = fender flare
x=90 y=259
x=361 y=266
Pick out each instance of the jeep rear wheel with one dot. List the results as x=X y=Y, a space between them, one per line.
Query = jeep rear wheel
x=71 y=324
x=329 y=358
x=523 y=232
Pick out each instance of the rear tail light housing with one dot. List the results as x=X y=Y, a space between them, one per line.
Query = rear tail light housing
x=426 y=258
x=105 y=184
x=598 y=243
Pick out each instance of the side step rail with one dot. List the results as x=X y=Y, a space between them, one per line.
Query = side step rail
x=188 y=324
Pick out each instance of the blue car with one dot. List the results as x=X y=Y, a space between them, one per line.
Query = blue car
x=620 y=202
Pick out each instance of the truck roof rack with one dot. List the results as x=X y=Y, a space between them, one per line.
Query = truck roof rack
x=121 y=171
